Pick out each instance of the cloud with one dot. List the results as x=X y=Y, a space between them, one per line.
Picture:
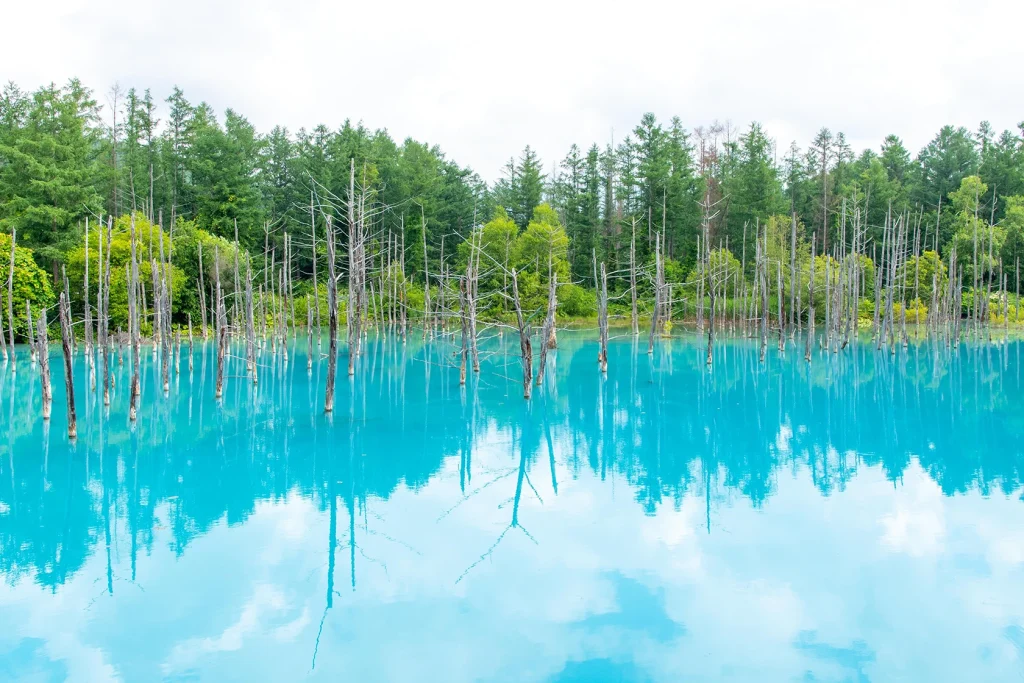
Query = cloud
x=483 y=80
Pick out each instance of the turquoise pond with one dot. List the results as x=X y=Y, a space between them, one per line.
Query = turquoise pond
x=859 y=518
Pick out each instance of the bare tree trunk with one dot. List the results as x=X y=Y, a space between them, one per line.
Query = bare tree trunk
x=69 y=380
x=105 y=316
x=792 y=274
x=30 y=331
x=250 y=326
x=549 y=326
x=316 y=286
x=10 y=298
x=633 y=319
x=657 y=294
x=764 y=292
x=354 y=303
x=810 y=305
x=309 y=335
x=44 y=365
x=473 y=275
x=88 y=308
x=134 y=325
x=202 y=293
x=525 y=347
x=602 y=321
x=426 y=276
x=464 y=319
x=782 y=321
x=332 y=318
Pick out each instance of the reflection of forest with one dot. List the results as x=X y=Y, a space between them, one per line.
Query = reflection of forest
x=667 y=425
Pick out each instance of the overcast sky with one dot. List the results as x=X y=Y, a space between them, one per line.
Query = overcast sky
x=484 y=79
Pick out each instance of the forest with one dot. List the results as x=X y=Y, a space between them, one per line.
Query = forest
x=672 y=214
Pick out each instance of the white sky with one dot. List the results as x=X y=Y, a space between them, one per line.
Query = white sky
x=484 y=79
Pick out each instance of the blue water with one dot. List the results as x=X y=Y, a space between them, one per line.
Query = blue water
x=856 y=519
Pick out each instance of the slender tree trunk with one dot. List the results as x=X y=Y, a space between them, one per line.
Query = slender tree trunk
x=810 y=305
x=44 y=365
x=549 y=325
x=602 y=321
x=10 y=299
x=69 y=380
x=525 y=347
x=134 y=325
x=332 y=317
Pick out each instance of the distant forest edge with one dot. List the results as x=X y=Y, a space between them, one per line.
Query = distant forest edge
x=215 y=180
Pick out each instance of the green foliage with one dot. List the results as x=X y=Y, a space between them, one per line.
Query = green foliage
x=721 y=265
x=1013 y=245
x=925 y=270
x=49 y=166
x=917 y=312
x=543 y=246
x=576 y=302
x=31 y=284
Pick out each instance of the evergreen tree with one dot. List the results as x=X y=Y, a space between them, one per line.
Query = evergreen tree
x=49 y=167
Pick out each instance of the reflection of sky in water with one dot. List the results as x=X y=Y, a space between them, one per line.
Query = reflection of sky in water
x=858 y=519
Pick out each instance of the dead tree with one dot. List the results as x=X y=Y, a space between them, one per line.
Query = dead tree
x=104 y=315
x=10 y=298
x=309 y=334
x=134 y=325
x=332 y=318
x=602 y=321
x=44 y=365
x=810 y=304
x=426 y=276
x=250 y=325
x=658 y=276
x=525 y=347
x=221 y=328
x=202 y=293
x=474 y=293
x=464 y=319
x=634 y=320
x=549 y=327
x=30 y=330
x=88 y=308
x=69 y=380
x=354 y=301
x=316 y=286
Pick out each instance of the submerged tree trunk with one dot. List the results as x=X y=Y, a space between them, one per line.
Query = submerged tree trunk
x=332 y=318
x=134 y=326
x=602 y=322
x=525 y=347
x=69 y=380
x=44 y=365
x=549 y=327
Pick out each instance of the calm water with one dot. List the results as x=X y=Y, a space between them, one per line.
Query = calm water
x=858 y=519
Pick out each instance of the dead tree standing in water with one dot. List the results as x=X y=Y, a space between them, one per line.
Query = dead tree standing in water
x=10 y=299
x=525 y=347
x=549 y=326
x=44 y=366
x=810 y=304
x=332 y=318
x=66 y=334
x=658 y=278
x=104 y=315
x=602 y=321
x=134 y=324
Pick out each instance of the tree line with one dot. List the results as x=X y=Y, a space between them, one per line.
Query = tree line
x=65 y=158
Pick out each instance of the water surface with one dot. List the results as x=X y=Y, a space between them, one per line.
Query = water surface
x=856 y=519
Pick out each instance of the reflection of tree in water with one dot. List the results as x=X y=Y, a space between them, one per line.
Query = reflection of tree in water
x=665 y=424
x=681 y=432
